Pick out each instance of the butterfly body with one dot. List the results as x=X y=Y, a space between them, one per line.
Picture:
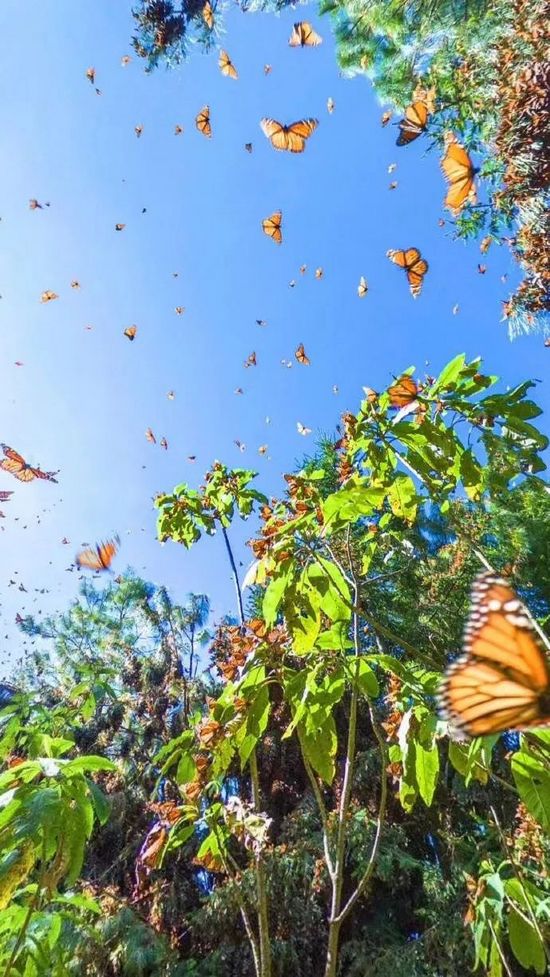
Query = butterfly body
x=502 y=681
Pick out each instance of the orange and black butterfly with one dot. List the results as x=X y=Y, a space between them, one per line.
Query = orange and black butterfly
x=413 y=123
x=16 y=465
x=226 y=65
x=202 y=122
x=303 y=35
x=291 y=138
x=459 y=172
x=503 y=680
x=272 y=226
x=208 y=15
x=414 y=264
x=5 y=496
x=130 y=333
x=403 y=392
x=302 y=356
x=98 y=557
x=49 y=296
x=251 y=360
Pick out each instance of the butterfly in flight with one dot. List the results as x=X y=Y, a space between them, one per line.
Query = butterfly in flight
x=130 y=333
x=251 y=360
x=291 y=138
x=49 y=296
x=413 y=123
x=226 y=66
x=98 y=557
x=5 y=496
x=459 y=172
x=16 y=465
x=272 y=226
x=330 y=105
x=403 y=392
x=119 y=227
x=178 y=130
x=502 y=681
x=302 y=429
x=302 y=356
x=208 y=15
x=303 y=35
x=125 y=60
x=138 y=130
x=202 y=122
x=362 y=287
x=150 y=436
x=415 y=266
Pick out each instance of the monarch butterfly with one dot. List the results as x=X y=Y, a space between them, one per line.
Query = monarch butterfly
x=16 y=465
x=267 y=69
x=403 y=392
x=459 y=172
x=251 y=360
x=98 y=557
x=262 y=449
x=330 y=105
x=48 y=296
x=75 y=283
x=119 y=227
x=202 y=122
x=178 y=130
x=90 y=75
x=130 y=333
x=208 y=15
x=303 y=269
x=302 y=429
x=303 y=35
x=150 y=436
x=415 y=266
x=302 y=356
x=164 y=444
x=138 y=130
x=385 y=118
x=125 y=60
x=413 y=123
x=248 y=146
x=362 y=288
x=291 y=138
x=34 y=205
x=272 y=226
x=179 y=310
x=319 y=272
x=226 y=66
x=502 y=681
x=5 y=496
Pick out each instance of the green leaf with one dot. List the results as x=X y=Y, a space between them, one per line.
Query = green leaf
x=526 y=943
x=351 y=503
x=532 y=780
x=427 y=771
x=362 y=675
x=402 y=497
x=449 y=374
x=101 y=804
x=84 y=764
x=319 y=744
x=273 y=597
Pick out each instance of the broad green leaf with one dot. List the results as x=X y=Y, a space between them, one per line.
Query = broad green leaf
x=319 y=744
x=532 y=780
x=100 y=802
x=449 y=374
x=525 y=943
x=351 y=503
x=402 y=497
x=274 y=595
x=362 y=675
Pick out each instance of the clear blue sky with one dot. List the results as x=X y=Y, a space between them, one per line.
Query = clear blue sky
x=83 y=399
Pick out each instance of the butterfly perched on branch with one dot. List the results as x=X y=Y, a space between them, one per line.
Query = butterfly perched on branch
x=502 y=681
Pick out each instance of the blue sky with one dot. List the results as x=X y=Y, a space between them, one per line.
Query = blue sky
x=83 y=399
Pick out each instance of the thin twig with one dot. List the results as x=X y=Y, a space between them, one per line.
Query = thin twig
x=322 y=813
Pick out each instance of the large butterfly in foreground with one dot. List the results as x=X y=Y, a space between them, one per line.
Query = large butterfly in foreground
x=98 y=557
x=459 y=172
x=272 y=226
x=414 y=264
x=291 y=138
x=16 y=465
x=502 y=682
x=303 y=35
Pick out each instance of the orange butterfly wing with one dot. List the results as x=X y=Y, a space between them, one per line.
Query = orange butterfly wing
x=415 y=266
x=98 y=557
x=403 y=392
x=202 y=122
x=226 y=65
x=413 y=124
x=291 y=138
x=303 y=35
x=503 y=681
x=272 y=226
x=459 y=172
